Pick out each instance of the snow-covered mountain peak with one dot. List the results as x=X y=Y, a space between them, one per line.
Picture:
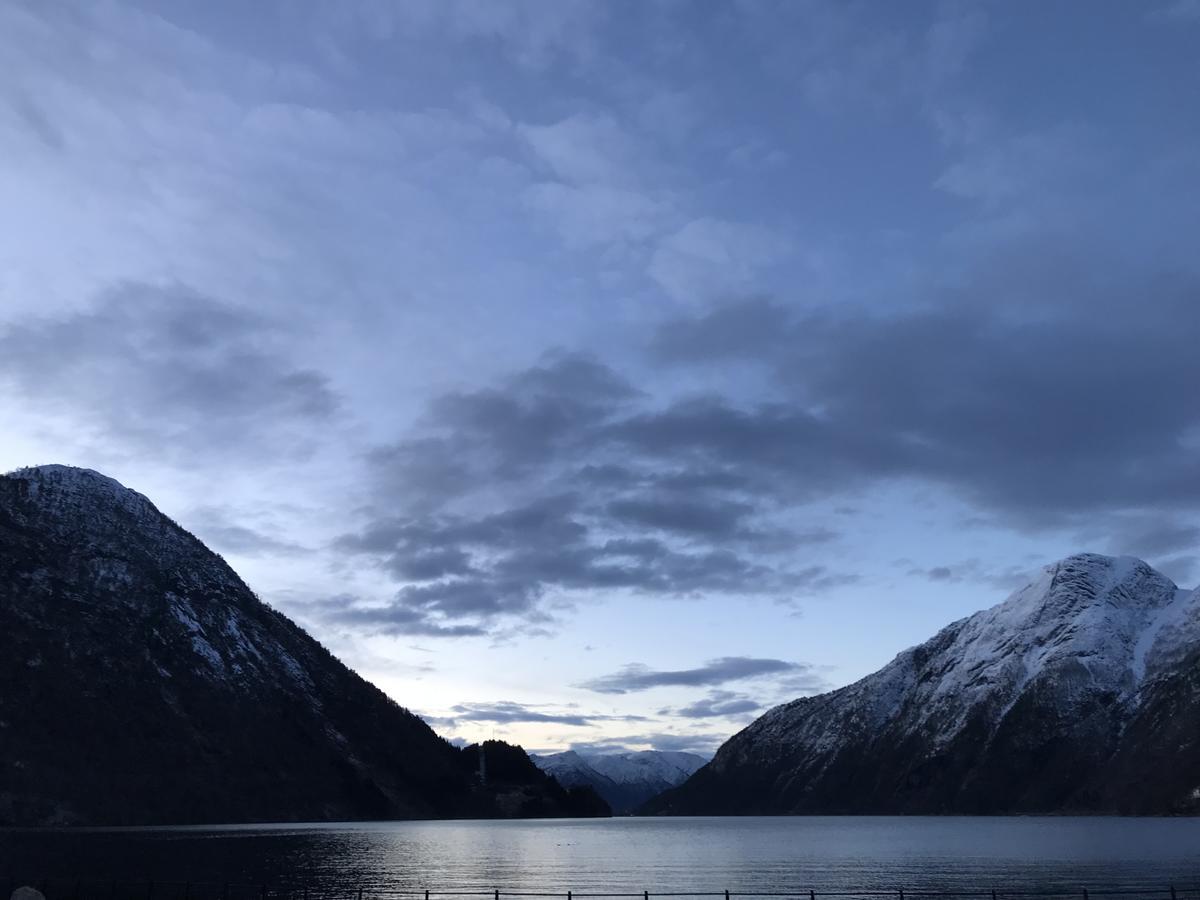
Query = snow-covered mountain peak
x=624 y=779
x=77 y=489
x=1087 y=622
x=1087 y=625
x=646 y=765
x=1046 y=700
x=1098 y=611
x=129 y=562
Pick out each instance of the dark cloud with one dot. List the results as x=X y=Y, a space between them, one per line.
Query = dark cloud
x=564 y=480
x=639 y=677
x=1153 y=536
x=1182 y=569
x=974 y=571
x=1086 y=405
x=528 y=493
x=172 y=370
x=718 y=704
x=507 y=712
x=752 y=329
x=713 y=519
x=531 y=420
x=486 y=571
x=806 y=680
x=393 y=619
x=1170 y=543
x=222 y=530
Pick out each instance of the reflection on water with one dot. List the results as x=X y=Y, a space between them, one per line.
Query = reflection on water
x=701 y=854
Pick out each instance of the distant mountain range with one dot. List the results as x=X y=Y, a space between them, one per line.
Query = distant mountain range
x=625 y=780
x=1080 y=693
x=142 y=682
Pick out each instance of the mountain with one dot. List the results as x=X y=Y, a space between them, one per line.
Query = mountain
x=142 y=682
x=1080 y=693
x=625 y=780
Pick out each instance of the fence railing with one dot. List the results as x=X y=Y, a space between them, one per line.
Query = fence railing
x=109 y=889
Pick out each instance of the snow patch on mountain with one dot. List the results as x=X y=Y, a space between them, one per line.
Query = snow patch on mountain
x=625 y=780
x=1063 y=664
x=117 y=533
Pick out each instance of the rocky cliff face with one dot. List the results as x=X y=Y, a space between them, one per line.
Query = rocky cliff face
x=141 y=681
x=1080 y=693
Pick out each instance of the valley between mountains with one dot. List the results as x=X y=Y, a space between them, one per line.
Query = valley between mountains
x=142 y=682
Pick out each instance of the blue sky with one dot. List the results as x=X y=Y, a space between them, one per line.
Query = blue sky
x=600 y=374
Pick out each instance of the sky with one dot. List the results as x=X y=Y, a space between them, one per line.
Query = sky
x=597 y=375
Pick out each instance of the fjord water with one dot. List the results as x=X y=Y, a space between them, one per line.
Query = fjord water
x=627 y=854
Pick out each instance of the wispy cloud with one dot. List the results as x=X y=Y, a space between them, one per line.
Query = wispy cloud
x=507 y=712
x=639 y=677
x=717 y=705
x=168 y=369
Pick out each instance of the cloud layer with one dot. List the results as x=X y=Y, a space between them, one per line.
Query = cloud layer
x=168 y=370
x=638 y=677
x=482 y=321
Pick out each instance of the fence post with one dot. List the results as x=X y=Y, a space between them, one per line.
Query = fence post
x=1085 y=894
x=427 y=894
x=726 y=893
x=360 y=893
x=496 y=894
x=812 y=895
x=1172 y=892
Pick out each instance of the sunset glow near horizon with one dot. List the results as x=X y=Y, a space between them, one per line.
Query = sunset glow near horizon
x=599 y=375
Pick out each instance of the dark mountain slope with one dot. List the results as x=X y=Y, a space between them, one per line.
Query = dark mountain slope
x=1080 y=693
x=141 y=681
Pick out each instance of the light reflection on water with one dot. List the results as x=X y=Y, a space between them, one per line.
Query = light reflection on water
x=699 y=854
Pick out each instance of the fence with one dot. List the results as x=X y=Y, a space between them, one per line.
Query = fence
x=100 y=889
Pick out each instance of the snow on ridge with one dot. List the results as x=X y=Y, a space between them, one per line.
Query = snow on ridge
x=1111 y=621
x=75 y=477
x=96 y=511
x=1165 y=632
x=1088 y=609
x=80 y=487
x=645 y=765
x=623 y=767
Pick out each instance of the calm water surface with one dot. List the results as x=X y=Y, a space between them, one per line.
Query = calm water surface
x=698 y=854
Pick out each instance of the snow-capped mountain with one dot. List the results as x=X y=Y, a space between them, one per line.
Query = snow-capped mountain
x=625 y=780
x=1081 y=692
x=141 y=681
